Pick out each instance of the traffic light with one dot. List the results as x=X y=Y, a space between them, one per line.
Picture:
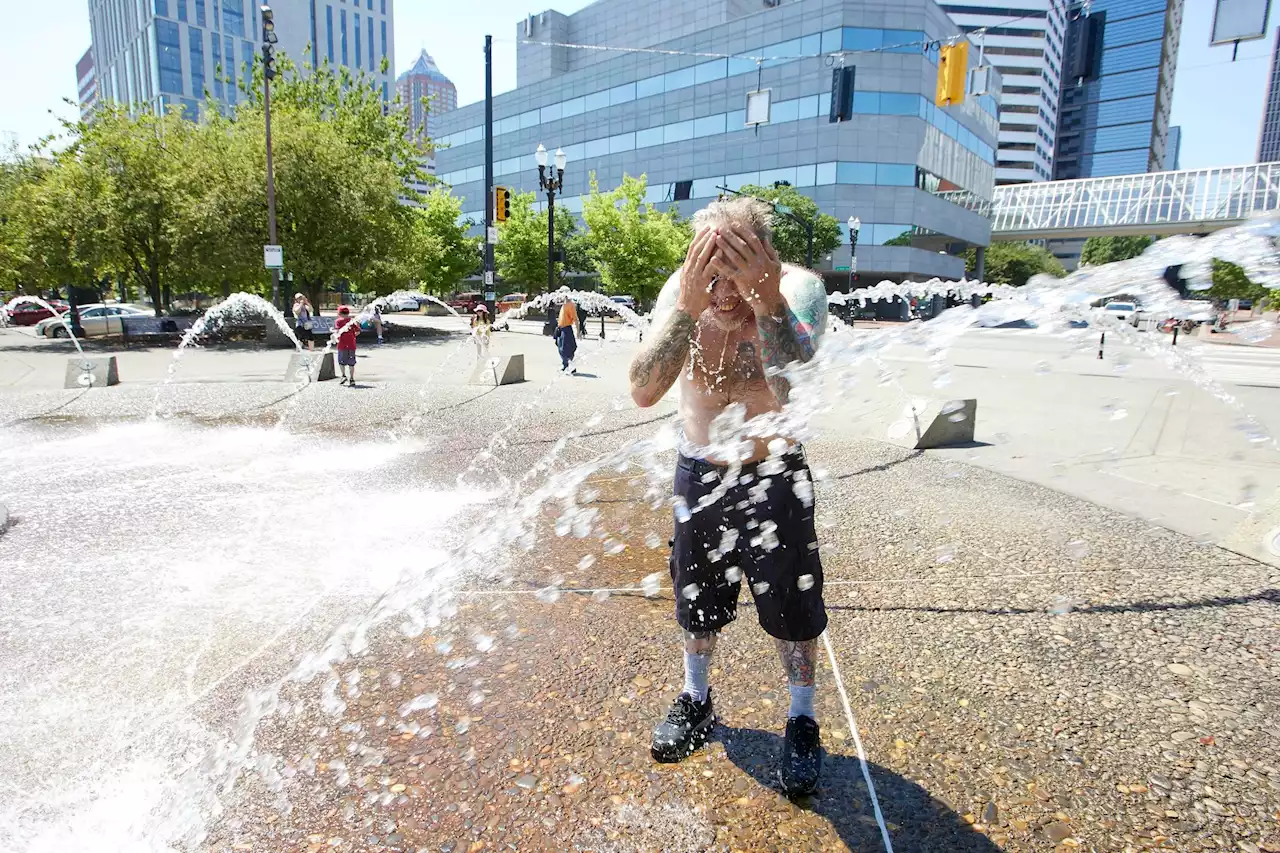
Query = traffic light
x=269 y=38
x=501 y=204
x=268 y=62
x=953 y=72
x=841 y=94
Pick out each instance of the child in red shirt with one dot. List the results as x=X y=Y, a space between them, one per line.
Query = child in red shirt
x=347 y=346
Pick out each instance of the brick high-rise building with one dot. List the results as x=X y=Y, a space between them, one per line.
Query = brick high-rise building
x=426 y=80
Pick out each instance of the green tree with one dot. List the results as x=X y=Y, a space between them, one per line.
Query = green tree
x=521 y=253
x=1015 y=263
x=1230 y=282
x=633 y=245
x=441 y=254
x=790 y=239
x=1108 y=250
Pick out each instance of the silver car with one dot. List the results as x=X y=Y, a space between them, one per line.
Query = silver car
x=96 y=320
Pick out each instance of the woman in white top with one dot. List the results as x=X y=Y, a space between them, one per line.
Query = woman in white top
x=302 y=322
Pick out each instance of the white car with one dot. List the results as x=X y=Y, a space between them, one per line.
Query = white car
x=403 y=303
x=1122 y=311
x=96 y=320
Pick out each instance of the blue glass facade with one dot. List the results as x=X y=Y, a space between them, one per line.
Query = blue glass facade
x=195 y=46
x=359 y=42
x=1269 y=137
x=169 y=56
x=233 y=18
x=315 y=42
x=1116 y=96
x=343 y=14
x=328 y=28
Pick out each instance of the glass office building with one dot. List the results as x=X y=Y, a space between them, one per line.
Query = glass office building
x=169 y=53
x=1117 y=89
x=1269 y=135
x=677 y=114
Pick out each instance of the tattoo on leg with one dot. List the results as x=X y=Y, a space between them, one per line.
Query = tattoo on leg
x=700 y=642
x=799 y=660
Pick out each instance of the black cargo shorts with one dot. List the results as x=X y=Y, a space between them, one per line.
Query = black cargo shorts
x=760 y=530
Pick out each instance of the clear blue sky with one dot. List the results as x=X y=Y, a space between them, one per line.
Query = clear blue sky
x=1217 y=102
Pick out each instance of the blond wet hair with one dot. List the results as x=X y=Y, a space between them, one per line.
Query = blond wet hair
x=744 y=210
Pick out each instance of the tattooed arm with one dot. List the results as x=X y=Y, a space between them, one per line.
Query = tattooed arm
x=656 y=367
x=780 y=345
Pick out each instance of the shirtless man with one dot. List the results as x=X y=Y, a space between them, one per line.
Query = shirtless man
x=730 y=332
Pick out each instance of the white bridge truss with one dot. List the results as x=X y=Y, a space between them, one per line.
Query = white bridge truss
x=1189 y=201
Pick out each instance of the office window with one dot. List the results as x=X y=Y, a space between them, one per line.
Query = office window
x=343 y=17
x=200 y=13
x=384 y=35
x=247 y=57
x=855 y=173
x=373 y=64
x=597 y=100
x=182 y=10
x=678 y=131
x=232 y=18
x=328 y=27
x=649 y=136
x=315 y=42
x=229 y=66
x=359 y=42
x=216 y=52
x=195 y=51
x=716 y=69
x=622 y=94
x=681 y=79
x=709 y=126
x=169 y=56
x=384 y=7
x=370 y=5
x=162 y=8
x=650 y=86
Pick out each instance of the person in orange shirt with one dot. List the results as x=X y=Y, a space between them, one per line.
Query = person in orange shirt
x=565 y=338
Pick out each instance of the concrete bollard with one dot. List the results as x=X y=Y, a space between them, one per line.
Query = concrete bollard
x=88 y=371
x=499 y=370
x=4 y=518
x=302 y=367
x=954 y=424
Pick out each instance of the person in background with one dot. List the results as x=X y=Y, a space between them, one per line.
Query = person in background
x=481 y=327
x=347 y=345
x=377 y=320
x=302 y=320
x=566 y=341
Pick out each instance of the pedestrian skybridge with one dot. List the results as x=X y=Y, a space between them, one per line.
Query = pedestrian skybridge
x=1188 y=201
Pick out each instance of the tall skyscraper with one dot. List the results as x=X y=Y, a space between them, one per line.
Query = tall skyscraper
x=86 y=85
x=426 y=80
x=166 y=53
x=1173 y=150
x=1023 y=39
x=1269 y=135
x=1117 y=89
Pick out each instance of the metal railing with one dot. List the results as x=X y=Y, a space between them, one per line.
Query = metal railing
x=1193 y=200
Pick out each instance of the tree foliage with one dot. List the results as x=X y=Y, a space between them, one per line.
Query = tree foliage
x=440 y=254
x=790 y=239
x=521 y=253
x=1230 y=282
x=1014 y=263
x=633 y=245
x=1108 y=250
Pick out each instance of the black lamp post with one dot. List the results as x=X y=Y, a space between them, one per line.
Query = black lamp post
x=551 y=184
x=269 y=39
x=855 y=224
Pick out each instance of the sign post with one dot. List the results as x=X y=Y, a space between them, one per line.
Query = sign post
x=273 y=257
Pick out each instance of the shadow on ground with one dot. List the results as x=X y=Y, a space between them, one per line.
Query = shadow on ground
x=917 y=822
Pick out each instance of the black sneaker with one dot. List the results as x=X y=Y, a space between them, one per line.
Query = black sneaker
x=801 y=760
x=686 y=728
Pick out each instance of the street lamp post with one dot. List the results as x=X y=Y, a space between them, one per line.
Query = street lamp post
x=269 y=39
x=855 y=225
x=551 y=184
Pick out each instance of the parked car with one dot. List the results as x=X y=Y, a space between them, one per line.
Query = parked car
x=625 y=300
x=465 y=303
x=96 y=320
x=1123 y=311
x=402 y=303
x=29 y=313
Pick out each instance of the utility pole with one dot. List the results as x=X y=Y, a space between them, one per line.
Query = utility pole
x=269 y=38
x=489 y=228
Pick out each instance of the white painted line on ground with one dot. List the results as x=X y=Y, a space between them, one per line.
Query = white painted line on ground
x=857 y=742
x=1184 y=494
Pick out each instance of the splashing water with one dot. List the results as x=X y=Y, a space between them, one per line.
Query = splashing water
x=427 y=594
x=63 y=317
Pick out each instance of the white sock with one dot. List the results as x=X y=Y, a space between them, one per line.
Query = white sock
x=801 y=701
x=696 y=675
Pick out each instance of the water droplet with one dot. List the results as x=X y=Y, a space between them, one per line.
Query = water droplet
x=443 y=647
x=728 y=540
x=653 y=540
x=600 y=595
x=768 y=535
x=549 y=594
x=899 y=429
x=527 y=781
x=946 y=553
x=1061 y=606
x=681 y=510
x=476 y=697
x=760 y=588
x=1043 y=368
x=1248 y=495
x=1002 y=438
x=778 y=446
x=733 y=574
x=463 y=725
x=613 y=547
x=1078 y=549
x=1119 y=414
x=804 y=582
x=484 y=642
x=425 y=702
x=587 y=561
x=691 y=591
x=942 y=380
x=651 y=584
x=957 y=417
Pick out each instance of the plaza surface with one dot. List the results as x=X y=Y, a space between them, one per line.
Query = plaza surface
x=1034 y=652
